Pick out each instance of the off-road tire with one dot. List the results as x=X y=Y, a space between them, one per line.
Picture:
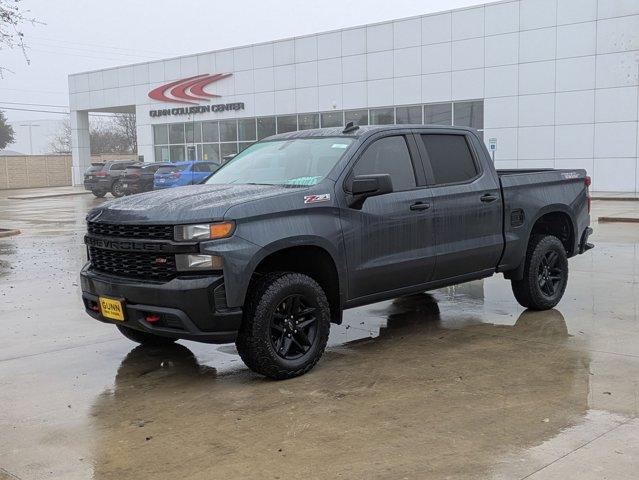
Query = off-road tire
x=98 y=193
x=117 y=190
x=254 y=342
x=144 y=338
x=528 y=291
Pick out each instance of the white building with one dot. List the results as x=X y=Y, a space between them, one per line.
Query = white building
x=555 y=82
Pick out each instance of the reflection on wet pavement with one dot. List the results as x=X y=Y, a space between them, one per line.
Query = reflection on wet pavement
x=458 y=383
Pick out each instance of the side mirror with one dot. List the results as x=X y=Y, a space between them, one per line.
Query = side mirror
x=364 y=186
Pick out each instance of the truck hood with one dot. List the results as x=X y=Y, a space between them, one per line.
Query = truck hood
x=195 y=203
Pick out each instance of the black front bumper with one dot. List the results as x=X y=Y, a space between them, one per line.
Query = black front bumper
x=192 y=308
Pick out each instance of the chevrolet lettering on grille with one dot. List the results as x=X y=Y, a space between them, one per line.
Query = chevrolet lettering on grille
x=126 y=245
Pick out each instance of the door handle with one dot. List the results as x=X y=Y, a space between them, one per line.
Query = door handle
x=420 y=206
x=487 y=198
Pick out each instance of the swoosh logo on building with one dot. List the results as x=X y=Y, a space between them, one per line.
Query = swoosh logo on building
x=187 y=90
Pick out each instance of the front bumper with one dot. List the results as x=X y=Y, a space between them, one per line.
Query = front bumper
x=192 y=308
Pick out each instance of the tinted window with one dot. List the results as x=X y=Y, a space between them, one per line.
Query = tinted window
x=119 y=166
x=450 y=158
x=171 y=169
x=438 y=114
x=95 y=167
x=469 y=114
x=409 y=114
x=388 y=155
x=202 y=167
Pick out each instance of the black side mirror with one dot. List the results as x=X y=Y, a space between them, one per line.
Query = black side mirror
x=364 y=186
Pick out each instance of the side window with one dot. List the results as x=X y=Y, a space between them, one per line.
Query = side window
x=388 y=155
x=450 y=158
x=202 y=167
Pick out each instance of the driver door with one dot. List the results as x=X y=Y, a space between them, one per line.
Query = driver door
x=389 y=241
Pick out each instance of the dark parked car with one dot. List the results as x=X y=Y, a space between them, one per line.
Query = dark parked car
x=183 y=173
x=101 y=178
x=138 y=178
x=302 y=225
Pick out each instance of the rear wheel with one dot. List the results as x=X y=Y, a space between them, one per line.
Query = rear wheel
x=98 y=193
x=144 y=338
x=285 y=326
x=117 y=190
x=545 y=274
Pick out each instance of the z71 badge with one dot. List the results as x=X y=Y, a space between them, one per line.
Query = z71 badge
x=324 y=197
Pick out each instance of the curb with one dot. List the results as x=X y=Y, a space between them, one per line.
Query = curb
x=618 y=220
x=48 y=195
x=616 y=199
x=4 y=232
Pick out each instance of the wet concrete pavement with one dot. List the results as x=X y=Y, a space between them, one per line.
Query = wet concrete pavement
x=460 y=383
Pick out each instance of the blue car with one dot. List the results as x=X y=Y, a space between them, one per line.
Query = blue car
x=183 y=173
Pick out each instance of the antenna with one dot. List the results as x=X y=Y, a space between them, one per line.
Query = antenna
x=350 y=127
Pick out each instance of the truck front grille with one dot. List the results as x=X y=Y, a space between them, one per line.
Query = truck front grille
x=154 y=266
x=151 y=232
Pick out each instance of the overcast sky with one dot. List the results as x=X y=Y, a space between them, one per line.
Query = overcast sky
x=91 y=34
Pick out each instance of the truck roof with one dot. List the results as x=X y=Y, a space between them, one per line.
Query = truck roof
x=361 y=131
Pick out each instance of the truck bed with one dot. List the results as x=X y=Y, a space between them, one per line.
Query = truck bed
x=527 y=194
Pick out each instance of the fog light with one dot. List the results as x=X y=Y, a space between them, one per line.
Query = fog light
x=196 y=262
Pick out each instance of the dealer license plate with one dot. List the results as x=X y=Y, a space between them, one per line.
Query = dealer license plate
x=111 y=308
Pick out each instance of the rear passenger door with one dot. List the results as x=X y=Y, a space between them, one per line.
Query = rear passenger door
x=389 y=240
x=467 y=203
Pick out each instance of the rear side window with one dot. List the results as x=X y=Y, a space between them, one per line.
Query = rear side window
x=202 y=167
x=388 y=155
x=172 y=168
x=119 y=166
x=450 y=158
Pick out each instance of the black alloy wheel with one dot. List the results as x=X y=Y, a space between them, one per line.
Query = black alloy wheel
x=293 y=327
x=550 y=274
x=117 y=190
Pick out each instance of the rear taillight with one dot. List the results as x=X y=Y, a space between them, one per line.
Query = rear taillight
x=100 y=174
x=588 y=182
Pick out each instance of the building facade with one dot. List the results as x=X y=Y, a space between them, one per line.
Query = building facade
x=548 y=83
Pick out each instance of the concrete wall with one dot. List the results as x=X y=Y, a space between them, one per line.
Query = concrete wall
x=32 y=171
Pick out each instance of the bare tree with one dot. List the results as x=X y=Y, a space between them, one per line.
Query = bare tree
x=126 y=124
x=107 y=135
x=12 y=17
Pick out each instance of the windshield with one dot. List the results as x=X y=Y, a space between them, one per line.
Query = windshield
x=299 y=161
x=95 y=167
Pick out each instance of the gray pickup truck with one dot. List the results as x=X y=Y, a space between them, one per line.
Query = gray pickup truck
x=301 y=226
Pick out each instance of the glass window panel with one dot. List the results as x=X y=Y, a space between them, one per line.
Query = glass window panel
x=307 y=121
x=177 y=153
x=469 y=114
x=358 y=117
x=191 y=153
x=211 y=152
x=176 y=133
x=438 y=114
x=287 y=123
x=450 y=158
x=162 y=154
x=160 y=134
x=188 y=131
x=388 y=155
x=228 y=131
x=382 y=116
x=409 y=114
x=193 y=132
x=199 y=151
x=210 y=132
x=265 y=127
x=332 y=119
x=246 y=127
x=227 y=149
x=245 y=145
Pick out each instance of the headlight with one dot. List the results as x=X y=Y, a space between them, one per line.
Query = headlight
x=196 y=262
x=204 y=231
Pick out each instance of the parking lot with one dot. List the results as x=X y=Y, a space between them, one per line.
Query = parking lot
x=457 y=383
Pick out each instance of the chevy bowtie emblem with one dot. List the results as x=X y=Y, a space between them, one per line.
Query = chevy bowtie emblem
x=187 y=90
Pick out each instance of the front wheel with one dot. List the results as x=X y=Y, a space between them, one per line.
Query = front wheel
x=545 y=274
x=285 y=326
x=144 y=338
x=117 y=190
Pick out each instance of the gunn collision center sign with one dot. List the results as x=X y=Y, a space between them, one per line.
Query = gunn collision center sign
x=191 y=90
